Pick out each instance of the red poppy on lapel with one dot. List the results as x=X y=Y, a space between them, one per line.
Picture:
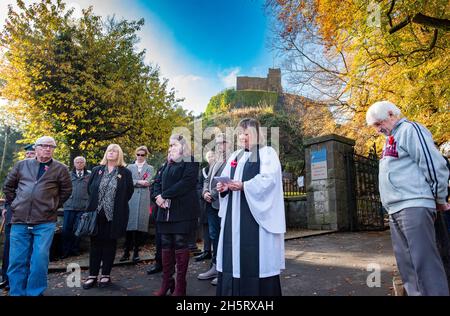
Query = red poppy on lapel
x=391 y=140
x=46 y=168
x=145 y=176
x=233 y=164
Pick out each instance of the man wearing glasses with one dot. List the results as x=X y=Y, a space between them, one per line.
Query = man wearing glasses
x=6 y=218
x=35 y=189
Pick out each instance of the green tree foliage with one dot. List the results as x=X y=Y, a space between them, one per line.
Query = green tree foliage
x=83 y=81
x=221 y=102
x=230 y=98
x=234 y=105
x=8 y=149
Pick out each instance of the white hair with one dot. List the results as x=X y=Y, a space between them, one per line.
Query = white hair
x=80 y=157
x=45 y=140
x=379 y=111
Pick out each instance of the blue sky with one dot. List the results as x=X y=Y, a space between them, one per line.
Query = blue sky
x=200 y=45
x=217 y=33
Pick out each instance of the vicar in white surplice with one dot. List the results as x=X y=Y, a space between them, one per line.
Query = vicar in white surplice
x=251 y=244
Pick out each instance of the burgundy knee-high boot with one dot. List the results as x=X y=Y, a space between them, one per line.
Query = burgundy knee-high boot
x=182 y=259
x=168 y=265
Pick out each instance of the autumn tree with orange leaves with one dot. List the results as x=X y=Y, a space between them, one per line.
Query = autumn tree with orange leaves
x=352 y=53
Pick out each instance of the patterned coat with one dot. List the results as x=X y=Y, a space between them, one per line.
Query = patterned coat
x=140 y=201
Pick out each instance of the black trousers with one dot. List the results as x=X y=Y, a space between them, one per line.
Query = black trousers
x=103 y=248
x=133 y=240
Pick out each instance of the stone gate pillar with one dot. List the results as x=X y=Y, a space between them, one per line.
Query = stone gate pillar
x=326 y=181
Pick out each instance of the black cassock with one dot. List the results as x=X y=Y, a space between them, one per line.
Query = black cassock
x=249 y=283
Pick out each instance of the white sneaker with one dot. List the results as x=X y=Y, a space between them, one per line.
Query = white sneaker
x=214 y=282
x=210 y=274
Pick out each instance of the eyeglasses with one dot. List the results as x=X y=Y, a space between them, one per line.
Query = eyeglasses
x=141 y=155
x=46 y=146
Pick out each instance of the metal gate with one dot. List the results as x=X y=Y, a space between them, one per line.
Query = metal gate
x=365 y=210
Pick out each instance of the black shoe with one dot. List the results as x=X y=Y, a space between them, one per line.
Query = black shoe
x=4 y=284
x=154 y=268
x=90 y=283
x=136 y=257
x=125 y=257
x=195 y=252
x=105 y=283
x=203 y=256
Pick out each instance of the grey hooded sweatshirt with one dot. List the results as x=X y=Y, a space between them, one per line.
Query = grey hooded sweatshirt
x=412 y=171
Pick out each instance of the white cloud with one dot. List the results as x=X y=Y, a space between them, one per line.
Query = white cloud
x=228 y=76
x=77 y=10
x=196 y=90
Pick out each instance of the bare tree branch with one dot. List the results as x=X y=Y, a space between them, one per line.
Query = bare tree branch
x=442 y=24
x=422 y=19
x=389 y=13
x=314 y=62
x=401 y=25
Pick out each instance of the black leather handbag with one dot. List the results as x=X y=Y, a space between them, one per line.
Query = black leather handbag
x=87 y=225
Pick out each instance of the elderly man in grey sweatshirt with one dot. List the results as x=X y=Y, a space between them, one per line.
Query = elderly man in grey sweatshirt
x=413 y=186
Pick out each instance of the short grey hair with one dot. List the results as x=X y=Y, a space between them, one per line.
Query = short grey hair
x=45 y=140
x=79 y=157
x=379 y=111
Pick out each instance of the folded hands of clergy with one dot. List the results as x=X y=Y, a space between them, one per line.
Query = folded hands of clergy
x=233 y=185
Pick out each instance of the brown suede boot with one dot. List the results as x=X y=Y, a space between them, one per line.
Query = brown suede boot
x=168 y=265
x=182 y=259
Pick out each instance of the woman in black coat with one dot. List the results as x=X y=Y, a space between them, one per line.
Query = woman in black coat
x=174 y=191
x=110 y=187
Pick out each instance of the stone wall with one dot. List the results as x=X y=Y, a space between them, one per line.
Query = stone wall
x=274 y=80
x=296 y=212
x=271 y=83
x=327 y=197
x=251 y=83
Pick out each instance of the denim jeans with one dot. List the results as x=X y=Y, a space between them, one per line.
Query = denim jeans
x=29 y=257
x=71 y=243
x=214 y=228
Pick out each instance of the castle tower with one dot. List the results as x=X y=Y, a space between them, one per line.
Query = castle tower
x=274 y=80
x=271 y=83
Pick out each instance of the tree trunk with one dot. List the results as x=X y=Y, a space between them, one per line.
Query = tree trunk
x=5 y=147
